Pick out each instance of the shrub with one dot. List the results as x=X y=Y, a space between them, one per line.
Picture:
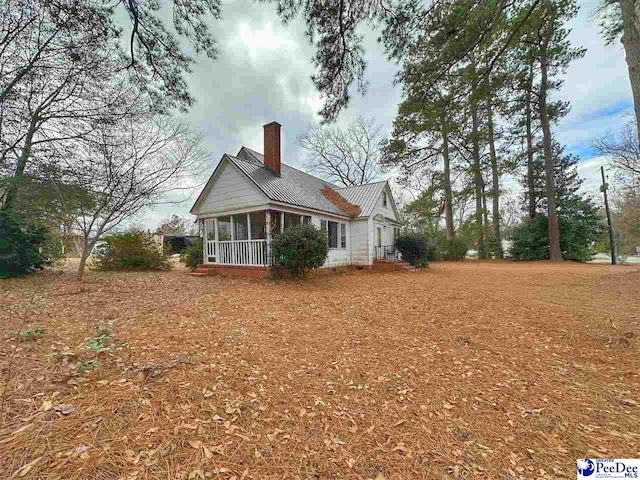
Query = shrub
x=20 y=245
x=131 y=251
x=530 y=239
x=580 y=227
x=415 y=248
x=192 y=256
x=300 y=248
x=454 y=249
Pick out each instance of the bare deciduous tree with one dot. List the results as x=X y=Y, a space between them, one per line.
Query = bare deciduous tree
x=344 y=157
x=624 y=151
x=59 y=80
x=128 y=167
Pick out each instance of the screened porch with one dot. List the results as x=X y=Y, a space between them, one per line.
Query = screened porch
x=244 y=239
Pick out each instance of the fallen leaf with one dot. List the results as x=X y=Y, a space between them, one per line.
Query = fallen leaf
x=195 y=443
x=46 y=405
x=351 y=462
x=64 y=408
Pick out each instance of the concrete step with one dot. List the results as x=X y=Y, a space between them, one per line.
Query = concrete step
x=198 y=274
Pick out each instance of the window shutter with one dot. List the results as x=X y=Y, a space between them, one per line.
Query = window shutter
x=343 y=235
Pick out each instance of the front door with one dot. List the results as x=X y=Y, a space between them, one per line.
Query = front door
x=379 y=253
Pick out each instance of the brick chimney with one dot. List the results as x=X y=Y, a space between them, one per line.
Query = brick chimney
x=272 y=147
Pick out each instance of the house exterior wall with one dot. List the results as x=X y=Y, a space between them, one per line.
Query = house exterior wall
x=232 y=190
x=360 y=242
x=386 y=225
x=337 y=256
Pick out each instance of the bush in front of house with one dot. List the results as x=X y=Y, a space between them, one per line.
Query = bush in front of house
x=299 y=248
x=21 y=245
x=192 y=256
x=454 y=249
x=131 y=251
x=416 y=249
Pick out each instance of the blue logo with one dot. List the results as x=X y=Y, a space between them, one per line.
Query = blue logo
x=586 y=467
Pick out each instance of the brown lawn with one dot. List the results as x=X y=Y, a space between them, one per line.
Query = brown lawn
x=488 y=370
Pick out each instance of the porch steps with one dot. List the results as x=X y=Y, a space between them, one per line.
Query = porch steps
x=202 y=270
x=392 y=266
x=197 y=273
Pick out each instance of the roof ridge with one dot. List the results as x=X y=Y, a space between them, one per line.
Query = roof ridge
x=333 y=185
x=362 y=184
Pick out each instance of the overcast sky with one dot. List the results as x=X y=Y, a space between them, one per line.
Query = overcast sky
x=263 y=74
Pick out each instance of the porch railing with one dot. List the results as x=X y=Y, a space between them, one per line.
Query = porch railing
x=388 y=252
x=240 y=252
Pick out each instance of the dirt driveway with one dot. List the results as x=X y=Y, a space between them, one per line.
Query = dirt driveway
x=487 y=370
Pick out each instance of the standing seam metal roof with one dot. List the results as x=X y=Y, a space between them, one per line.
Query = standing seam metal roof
x=299 y=188
x=292 y=186
x=365 y=196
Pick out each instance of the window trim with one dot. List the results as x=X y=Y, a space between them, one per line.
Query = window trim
x=340 y=226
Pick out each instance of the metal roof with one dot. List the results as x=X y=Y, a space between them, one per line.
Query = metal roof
x=365 y=196
x=292 y=186
x=296 y=187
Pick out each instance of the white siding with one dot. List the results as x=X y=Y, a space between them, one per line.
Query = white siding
x=381 y=209
x=387 y=226
x=360 y=242
x=337 y=256
x=231 y=190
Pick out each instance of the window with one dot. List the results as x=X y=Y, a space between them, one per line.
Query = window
x=333 y=234
x=224 y=229
x=210 y=232
x=384 y=199
x=291 y=219
x=258 y=222
x=306 y=219
x=240 y=227
x=336 y=232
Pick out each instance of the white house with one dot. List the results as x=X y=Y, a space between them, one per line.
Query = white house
x=250 y=196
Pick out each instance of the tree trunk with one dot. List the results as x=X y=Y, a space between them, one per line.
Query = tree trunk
x=531 y=189
x=83 y=262
x=21 y=164
x=555 y=252
x=477 y=178
x=448 y=196
x=631 y=43
x=87 y=246
x=495 y=190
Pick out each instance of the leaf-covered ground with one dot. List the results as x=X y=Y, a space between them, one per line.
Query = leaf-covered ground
x=487 y=370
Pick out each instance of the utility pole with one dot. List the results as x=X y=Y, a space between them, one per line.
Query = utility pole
x=612 y=241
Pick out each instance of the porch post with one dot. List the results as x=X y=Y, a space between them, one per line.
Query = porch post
x=281 y=222
x=267 y=222
x=215 y=239
x=205 y=246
